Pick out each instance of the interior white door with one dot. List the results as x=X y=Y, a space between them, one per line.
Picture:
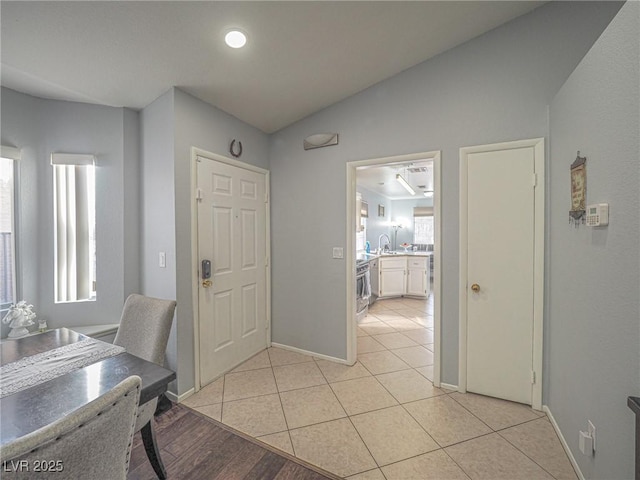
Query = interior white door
x=500 y=263
x=232 y=236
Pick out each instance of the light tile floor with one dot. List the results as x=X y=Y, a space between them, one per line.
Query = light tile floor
x=382 y=418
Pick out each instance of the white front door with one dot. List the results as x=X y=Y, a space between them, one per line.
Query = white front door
x=232 y=236
x=500 y=280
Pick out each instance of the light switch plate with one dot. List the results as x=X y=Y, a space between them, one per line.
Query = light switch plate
x=162 y=259
x=338 y=252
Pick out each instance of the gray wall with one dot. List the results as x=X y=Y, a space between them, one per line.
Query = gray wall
x=403 y=210
x=376 y=225
x=21 y=129
x=171 y=125
x=593 y=324
x=492 y=89
x=200 y=125
x=39 y=127
x=157 y=210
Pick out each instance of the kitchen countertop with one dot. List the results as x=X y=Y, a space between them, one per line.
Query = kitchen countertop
x=373 y=256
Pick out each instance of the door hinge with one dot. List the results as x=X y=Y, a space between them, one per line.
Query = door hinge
x=535 y=180
x=533 y=377
x=266 y=197
x=266 y=261
x=199 y=194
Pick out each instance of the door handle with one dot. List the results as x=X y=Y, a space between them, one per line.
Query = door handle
x=475 y=288
x=207 y=283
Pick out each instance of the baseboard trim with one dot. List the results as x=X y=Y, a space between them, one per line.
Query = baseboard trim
x=564 y=443
x=307 y=352
x=179 y=398
x=448 y=386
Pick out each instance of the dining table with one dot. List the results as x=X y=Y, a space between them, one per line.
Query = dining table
x=33 y=402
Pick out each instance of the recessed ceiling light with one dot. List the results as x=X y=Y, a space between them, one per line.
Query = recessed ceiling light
x=235 y=39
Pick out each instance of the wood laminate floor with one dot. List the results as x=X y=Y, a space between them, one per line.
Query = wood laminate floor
x=196 y=447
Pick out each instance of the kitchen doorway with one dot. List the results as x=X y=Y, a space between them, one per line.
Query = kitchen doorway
x=415 y=264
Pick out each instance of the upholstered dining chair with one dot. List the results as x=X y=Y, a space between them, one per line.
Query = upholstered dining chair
x=93 y=441
x=144 y=332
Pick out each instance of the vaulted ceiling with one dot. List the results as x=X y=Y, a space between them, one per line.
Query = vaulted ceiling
x=300 y=57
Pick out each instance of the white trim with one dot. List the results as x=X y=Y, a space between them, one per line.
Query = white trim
x=449 y=386
x=351 y=325
x=538 y=281
x=437 y=270
x=195 y=280
x=198 y=152
x=72 y=159
x=179 y=398
x=195 y=285
x=312 y=354
x=11 y=153
x=564 y=443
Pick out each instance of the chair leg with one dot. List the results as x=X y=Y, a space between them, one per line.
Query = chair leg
x=151 y=447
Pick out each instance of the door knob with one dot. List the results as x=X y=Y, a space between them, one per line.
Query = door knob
x=207 y=283
x=475 y=287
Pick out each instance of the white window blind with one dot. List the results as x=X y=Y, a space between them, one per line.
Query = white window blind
x=74 y=220
x=423 y=231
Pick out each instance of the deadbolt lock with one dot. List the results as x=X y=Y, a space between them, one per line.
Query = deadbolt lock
x=207 y=283
x=475 y=287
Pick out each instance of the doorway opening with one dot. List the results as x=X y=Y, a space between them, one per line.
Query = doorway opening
x=394 y=229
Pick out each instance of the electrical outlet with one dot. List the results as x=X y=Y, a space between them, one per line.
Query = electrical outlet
x=592 y=433
x=338 y=252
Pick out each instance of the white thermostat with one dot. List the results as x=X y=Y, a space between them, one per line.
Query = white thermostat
x=598 y=215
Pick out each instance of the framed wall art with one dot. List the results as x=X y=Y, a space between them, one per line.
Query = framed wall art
x=578 y=190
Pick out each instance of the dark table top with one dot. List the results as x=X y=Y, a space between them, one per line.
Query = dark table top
x=35 y=407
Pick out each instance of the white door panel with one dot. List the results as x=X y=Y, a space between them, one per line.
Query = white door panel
x=232 y=235
x=500 y=260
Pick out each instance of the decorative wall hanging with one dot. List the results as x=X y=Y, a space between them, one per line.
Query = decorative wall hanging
x=578 y=190
x=381 y=210
x=232 y=150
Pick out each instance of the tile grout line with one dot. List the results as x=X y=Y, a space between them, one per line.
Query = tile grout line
x=354 y=427
x=524 y=453
x=472 y=414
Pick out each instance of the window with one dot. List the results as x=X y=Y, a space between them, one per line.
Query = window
x=74 y=227
x=8 y=284
x=423 y=226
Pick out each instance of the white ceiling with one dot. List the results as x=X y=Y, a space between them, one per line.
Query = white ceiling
x=301 y=56
x=382 y=179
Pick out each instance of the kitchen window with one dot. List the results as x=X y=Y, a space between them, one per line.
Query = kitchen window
x=74 y=227
x=423 y=230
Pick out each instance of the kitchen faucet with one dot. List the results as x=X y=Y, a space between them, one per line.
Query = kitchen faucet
x=386 y=245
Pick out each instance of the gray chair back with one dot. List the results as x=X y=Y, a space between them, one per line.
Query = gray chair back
x=145 y=326
x=93 y=442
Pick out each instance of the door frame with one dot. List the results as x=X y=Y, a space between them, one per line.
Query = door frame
x=351 y=324
x=195 y=260
x=538 y=146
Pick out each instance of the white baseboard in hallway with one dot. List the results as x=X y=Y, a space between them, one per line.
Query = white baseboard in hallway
x=564 y=443
x=307 y=352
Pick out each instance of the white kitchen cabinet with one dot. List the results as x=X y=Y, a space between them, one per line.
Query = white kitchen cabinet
x=392 y=276
x=418 y=276
x=403 y=275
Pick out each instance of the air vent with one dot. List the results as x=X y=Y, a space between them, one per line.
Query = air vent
x=418 y=169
